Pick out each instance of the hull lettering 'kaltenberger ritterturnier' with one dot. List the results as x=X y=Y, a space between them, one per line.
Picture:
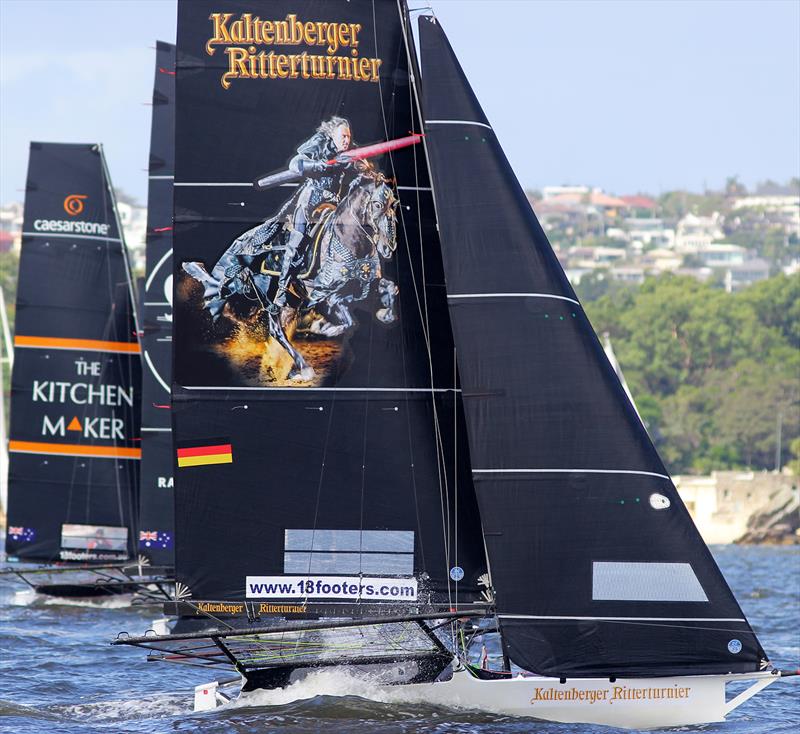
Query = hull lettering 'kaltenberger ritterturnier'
x=373 y=467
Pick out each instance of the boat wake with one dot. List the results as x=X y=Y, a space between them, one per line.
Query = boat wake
x=340 y=693
x=120 y=601
x=146 y=707
x=28 y=598
x=337 y=683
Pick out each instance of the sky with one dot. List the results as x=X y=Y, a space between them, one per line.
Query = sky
x=629 y=96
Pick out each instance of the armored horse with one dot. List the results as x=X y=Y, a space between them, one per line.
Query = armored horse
x=340 y=265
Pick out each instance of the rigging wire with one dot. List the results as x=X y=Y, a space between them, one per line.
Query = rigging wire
x=364 y=454
x=110 y=204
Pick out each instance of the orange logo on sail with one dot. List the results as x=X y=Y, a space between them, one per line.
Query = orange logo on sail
x=73 y=204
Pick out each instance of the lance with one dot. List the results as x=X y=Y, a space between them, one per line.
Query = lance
x=356 y=154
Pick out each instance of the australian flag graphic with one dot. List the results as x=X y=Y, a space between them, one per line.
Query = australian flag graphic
x=154 y=539
x=20 y=534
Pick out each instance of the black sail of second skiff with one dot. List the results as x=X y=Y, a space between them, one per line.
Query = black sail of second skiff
x=597 y=567
x=156 y=513
x=74 y=433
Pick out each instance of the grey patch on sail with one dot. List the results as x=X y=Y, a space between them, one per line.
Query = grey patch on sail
x=629 y=581
x=349 y=551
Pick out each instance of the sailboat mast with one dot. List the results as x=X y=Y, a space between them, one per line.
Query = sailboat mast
x=415 y=77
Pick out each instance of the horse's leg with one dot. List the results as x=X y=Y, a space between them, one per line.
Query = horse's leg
x=341 y=310
x=301 y=370
x=336 y=310
x=387 y=292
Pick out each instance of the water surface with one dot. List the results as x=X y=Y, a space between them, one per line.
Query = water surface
x=59 y=675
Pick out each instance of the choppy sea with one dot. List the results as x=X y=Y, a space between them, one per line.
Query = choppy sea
x=58 y=674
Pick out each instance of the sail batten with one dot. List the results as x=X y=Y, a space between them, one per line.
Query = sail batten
x=570 y=471
x=512 y=295
x=458 y=122
x=596 y=566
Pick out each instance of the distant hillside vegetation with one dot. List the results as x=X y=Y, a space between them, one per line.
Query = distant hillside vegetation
x=716 y=376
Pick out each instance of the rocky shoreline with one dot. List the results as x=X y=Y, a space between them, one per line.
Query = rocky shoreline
x=778 y=523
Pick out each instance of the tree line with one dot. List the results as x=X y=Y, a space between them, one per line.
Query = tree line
x=715 y=375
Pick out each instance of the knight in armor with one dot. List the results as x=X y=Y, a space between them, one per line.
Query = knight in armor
x=323 y=183
x=237 y=270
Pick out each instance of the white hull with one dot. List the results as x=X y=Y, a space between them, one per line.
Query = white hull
x=632 y=703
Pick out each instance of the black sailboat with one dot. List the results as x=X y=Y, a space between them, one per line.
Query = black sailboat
x=156 y=502
x=403 y=416
x=74 y=451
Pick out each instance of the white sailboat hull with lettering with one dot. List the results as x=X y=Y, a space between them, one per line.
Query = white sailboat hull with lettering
x=629 y=703
x=632 y=703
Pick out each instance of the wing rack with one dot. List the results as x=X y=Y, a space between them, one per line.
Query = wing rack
x=267 y=655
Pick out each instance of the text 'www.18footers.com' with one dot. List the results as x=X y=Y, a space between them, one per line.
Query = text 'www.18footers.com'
x=331 y=587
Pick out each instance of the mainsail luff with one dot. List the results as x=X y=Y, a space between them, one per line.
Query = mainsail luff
x=362 y=448
x=156 y=515
x=597 y=566
x=75 y=402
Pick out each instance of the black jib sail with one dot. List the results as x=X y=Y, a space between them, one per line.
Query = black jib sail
x=74 y=436
x=596 y=564
x=321 y=456
x=156 y=502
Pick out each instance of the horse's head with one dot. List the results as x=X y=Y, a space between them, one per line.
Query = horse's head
x=378 y=213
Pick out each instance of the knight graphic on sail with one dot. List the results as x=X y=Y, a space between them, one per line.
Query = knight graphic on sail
x=321 y=253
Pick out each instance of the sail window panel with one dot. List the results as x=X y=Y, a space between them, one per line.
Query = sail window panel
x=631 y=581
x=393 y=541
x=94 y=537
x=394 y=564
x=321 y=562
x=349 y=551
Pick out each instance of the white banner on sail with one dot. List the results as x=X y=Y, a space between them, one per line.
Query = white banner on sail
x=356 y=588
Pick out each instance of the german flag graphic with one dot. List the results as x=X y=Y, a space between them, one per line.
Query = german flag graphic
x=202 y=452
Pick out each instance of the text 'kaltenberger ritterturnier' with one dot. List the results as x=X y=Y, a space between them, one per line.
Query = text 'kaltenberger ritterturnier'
x=244 y=35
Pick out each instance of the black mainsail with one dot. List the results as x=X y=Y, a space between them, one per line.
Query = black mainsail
x=321 y=453
x=74 y=434
x=596 y=564
x=156 y=502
